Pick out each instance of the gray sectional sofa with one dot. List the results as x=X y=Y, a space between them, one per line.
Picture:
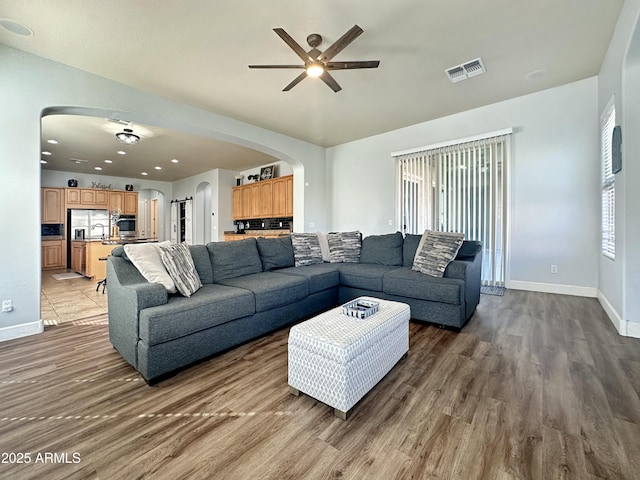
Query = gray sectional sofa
x=251 y=287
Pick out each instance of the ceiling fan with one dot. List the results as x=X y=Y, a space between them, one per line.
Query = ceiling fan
x=317 y=63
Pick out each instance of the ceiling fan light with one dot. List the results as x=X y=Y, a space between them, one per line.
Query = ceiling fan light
x=127 y=137
x=315 y=69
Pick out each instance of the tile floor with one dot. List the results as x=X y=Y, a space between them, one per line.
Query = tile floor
x=70 y=300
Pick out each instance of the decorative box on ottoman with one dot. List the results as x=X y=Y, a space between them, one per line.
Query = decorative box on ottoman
x=337 y=358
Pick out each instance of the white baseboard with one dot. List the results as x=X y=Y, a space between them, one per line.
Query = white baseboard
x=624 y=328
x=553 y=288
x=22 y=330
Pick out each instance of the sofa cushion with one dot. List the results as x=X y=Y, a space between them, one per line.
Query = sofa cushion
x=344 y=246
x=210 y=306
x=409 y=283
x=382 y=249
x=234 y=259
x=469 y=249
x=367 y=276
x=146 y=258
x=275 y=252
x=271 y=289
x=320 y=277
x=435 y=251
x=409 y=248
x=306 y=249
x=202 y=262
x=179 y=264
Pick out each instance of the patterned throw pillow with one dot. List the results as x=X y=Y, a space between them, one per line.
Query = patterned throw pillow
x=306 y=249
x=435 y=251
x=179 y=264
x=345 y=246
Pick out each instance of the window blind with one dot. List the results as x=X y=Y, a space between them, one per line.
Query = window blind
x=459 y=188
x=608 y=194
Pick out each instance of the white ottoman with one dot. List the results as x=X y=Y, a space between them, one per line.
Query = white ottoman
x=337 y=359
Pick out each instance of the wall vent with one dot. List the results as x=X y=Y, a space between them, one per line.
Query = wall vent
x=466 y=70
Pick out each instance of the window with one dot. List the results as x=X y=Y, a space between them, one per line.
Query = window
x=459 y=187
x=607 y=123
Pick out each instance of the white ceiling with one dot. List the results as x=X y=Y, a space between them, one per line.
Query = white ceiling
x=197 y=52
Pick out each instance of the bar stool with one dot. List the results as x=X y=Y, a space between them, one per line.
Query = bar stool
x=102 y=282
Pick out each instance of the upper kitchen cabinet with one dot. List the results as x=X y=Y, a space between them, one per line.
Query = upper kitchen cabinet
x=52 y=205
x=283 y=196
x=124 y=202
x=267 y=199
x=86 y=198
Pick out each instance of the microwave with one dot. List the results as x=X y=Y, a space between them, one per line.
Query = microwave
x=127 y=226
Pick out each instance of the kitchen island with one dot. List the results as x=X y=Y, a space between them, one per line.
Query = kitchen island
x=86 y=255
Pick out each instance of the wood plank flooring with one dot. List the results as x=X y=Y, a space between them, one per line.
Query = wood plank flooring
x=537 y=386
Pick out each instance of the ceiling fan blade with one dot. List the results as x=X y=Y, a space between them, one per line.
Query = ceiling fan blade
x=295 y=81
x=329 y=80
x=340 y=44
x=276 y=66
x=294 y=45
x=350 y=65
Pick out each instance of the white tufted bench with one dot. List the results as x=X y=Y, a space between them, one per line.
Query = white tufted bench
x=337 y=359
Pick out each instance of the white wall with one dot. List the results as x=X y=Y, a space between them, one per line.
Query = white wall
x=620 y=76
x=554 y=179
x=32 y=85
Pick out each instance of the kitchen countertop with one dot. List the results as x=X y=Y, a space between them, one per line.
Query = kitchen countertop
x=117 y=241
x=260 y=232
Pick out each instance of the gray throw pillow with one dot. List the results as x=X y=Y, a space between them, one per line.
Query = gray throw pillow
x=382 y=249
x=306 y=249
x=179 y=264
x=345 y=246
x=435 y=251
x=275 y=252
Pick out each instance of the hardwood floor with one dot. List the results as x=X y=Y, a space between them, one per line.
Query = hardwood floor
x=537 y=386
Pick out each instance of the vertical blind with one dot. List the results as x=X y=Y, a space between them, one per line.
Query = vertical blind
x=607 y=123
x=459 y=188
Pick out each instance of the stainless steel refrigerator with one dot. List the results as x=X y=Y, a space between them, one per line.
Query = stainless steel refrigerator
x=88 y=224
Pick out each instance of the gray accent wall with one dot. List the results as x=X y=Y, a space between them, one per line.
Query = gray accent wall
x=554 y=178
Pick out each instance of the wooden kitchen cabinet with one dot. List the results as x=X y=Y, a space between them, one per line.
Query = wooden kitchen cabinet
x=236 y=203
x=94 y=198
x=52 y=205
x=130 y=203
x=283 y=197
x=78 y=256
x=53 y=254
x=86 y=198
x=124 y=202
x=94 y=251
x=267 y=199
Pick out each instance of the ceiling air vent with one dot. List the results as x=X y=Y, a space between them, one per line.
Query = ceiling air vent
x=466 y=70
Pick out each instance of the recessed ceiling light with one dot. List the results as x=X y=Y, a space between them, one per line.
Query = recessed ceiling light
x=44 y=162
x=144 y=173
x=16 y=28
x=108 y=161
x=46 y=153
x=97 y=168
x=535 y=75
x=121 y=152
x=175 y=160
x=52 y=141
x=158 y=168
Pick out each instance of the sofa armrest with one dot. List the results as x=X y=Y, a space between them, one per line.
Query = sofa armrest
x=469 y=270
x=129 y=293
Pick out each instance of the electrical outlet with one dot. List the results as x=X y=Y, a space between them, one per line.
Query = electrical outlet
x=7 y=306
x=554 y=268
x=312 y=224
x=390 y=222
